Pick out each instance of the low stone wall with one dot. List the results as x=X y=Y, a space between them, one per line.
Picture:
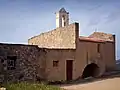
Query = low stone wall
x=29 y=63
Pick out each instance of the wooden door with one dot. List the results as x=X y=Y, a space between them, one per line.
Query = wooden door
x=69 y=69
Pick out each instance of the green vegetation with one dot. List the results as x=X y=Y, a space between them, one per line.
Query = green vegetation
x=30 y=86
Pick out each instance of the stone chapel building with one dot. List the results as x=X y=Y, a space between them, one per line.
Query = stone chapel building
x=59 y=54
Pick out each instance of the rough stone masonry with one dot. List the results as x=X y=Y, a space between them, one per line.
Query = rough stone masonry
x=21 y=63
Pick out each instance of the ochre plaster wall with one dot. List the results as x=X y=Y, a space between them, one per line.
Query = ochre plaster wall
x=59 y=72
x=109 y=58
x=86 y=53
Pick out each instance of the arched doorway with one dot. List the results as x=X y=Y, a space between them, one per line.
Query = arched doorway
x=91 y=70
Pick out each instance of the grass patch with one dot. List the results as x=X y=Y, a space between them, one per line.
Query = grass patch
x=30 y=86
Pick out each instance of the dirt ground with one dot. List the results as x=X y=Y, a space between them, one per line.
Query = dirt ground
x=107 y=84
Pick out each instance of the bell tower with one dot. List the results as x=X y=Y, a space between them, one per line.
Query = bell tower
x=62 y=18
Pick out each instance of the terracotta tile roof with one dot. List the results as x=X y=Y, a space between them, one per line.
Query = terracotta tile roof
x=82 y=38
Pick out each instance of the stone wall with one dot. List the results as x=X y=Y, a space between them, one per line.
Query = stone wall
x=63 y=37
x=102 y=36
x=29 y=64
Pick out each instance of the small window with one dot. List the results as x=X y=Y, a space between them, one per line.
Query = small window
x=11 y=62
x=98 y=48
x=55 y=63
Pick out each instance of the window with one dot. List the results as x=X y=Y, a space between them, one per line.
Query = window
x=55 y=63
x=98 y=48
x=11 y=61
x=63 y=21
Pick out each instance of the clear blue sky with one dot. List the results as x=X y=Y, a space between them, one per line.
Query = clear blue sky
x=22 y=19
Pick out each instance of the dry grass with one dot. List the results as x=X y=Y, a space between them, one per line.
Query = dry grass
x=30 y=86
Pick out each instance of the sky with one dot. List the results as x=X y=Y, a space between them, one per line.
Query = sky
x=22 y=19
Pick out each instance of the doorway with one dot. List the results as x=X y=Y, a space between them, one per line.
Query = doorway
x=69 y=69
